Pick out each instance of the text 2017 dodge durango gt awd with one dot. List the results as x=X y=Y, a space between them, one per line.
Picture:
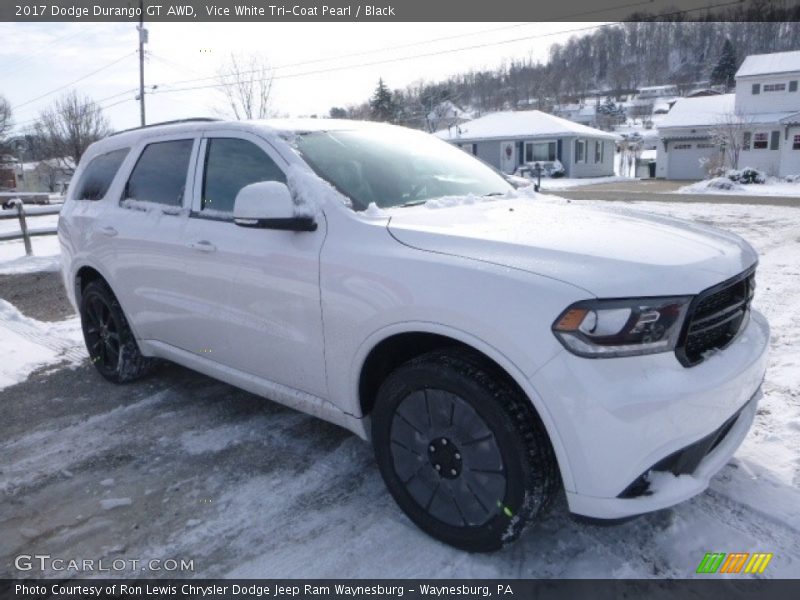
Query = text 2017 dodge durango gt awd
x=495 y=346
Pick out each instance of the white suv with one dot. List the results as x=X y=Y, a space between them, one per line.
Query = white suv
x=495 y=346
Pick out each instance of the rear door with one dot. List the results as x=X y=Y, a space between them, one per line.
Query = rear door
x=145 y=227
x=256 y=290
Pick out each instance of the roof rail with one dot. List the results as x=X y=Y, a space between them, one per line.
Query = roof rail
x=174 y=122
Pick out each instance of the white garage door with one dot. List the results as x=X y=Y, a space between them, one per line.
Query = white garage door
x=684 y=159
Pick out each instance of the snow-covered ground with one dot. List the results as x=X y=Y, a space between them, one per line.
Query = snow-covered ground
x=772 y=187
x=565 y=183
x=45 y=248
x=182 y=466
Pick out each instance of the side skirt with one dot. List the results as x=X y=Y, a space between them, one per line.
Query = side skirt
x=299 y=400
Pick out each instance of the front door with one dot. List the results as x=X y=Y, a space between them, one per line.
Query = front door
x=260 y=287
x=508 y=157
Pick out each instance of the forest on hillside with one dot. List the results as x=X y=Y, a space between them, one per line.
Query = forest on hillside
x=612 y=60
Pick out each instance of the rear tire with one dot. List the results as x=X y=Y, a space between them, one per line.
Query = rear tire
x=462 y=451
x=112 y=347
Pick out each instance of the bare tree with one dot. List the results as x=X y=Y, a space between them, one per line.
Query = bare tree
x=5 y=118
x=69 y=125
x=729 y=133
x=246 y=83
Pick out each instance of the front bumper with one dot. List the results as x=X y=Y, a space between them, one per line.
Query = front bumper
x=619 y=418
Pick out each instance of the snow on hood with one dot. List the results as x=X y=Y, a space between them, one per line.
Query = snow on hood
x=607 y=252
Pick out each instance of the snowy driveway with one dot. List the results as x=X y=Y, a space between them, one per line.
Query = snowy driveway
x=180 y=466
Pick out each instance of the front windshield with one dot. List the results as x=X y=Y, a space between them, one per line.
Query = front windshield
x=393 y=166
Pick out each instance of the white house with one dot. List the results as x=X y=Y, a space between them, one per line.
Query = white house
x=508 y=140
x=766 y=101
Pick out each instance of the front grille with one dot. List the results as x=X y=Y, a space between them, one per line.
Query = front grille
x=715 y=317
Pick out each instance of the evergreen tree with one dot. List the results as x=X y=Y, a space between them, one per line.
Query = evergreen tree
x=382 y=106
x=725 y=70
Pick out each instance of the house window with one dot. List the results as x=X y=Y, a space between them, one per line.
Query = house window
x=682 y=147
x=468 y=148
x=598 y=151
x=760 y=141
x=706 y=146
x=793 y=86
x=775 y=87
x=746 y=140
x=796 y=143
x=756 y=88
x=540 y=151
x=580 y=151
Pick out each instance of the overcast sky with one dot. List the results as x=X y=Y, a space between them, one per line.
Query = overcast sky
x=38 y=58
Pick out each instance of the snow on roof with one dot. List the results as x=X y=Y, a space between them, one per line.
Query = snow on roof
x=710 y=110
x=767 y=64
x=519 y=124
x=705 y=110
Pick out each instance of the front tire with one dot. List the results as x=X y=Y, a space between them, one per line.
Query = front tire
x=109 y=340
x=462 y=451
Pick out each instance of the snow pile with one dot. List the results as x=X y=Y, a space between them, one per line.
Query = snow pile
x=110 y=503
x=772 y=186
x=27 y=344
x=450 y=201
x=154 y=207
x=308 y=191
x=374 y=211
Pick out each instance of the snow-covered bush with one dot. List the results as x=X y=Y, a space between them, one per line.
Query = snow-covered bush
x=747 y=175
x=722 y=183
x=792 y=178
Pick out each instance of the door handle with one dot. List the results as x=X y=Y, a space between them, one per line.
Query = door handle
x=108 y=230
x=202 y=246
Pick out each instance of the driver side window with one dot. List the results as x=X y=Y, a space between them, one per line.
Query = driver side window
x=229 y=165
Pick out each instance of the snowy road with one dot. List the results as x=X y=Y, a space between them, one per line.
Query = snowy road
x=181 y=466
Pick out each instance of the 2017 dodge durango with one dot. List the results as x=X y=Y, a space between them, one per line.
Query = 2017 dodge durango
x=495 y=346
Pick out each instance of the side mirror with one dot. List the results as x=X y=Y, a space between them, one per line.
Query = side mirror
x=269 y=205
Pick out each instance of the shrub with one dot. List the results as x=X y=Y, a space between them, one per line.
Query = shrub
x=746 y=176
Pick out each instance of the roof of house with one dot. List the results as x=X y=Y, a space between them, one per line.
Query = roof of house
x=519 y=124
x=767 y=64
x=706 y=111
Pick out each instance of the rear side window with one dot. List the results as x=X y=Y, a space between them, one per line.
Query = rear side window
x=99 y=174
x=160 y=173
x=230 y=165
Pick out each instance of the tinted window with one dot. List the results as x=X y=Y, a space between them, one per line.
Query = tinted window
x=99 y=174
x=230 y=165
x=160 y=173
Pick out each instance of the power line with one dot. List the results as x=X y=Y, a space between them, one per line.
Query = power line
x=384 y=61
x=29 y=56
x=432 y=41
x=71 y=83
x=97 y=102
x=425 y=55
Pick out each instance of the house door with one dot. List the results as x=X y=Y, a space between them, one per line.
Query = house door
x=508 y=157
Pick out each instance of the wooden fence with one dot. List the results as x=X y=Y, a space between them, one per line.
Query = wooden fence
x=25 y=233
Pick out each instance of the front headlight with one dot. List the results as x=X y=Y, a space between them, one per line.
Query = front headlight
x=628 y=327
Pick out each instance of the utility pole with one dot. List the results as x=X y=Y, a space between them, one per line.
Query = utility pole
x=142 y=42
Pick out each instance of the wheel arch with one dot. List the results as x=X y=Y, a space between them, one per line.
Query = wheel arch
x=394 y=345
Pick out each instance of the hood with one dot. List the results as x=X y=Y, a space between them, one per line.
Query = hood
x=607 y=252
